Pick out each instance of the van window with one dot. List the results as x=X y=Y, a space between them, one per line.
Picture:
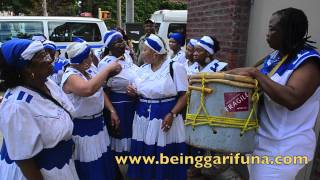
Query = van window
x=157 y=26
x=19 y=29
x=177 y=27
x=64 y=31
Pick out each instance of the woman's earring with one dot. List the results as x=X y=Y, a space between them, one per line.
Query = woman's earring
x=32 y=75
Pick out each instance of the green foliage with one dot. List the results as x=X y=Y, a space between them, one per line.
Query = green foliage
x=143 y=8
x=34 y=7
x=17 y=6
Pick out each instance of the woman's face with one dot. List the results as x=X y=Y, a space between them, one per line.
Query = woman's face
x=173 y=44
x=189 y=53
x=200 y=54
x=85 y=64
x=275 y=34
x=118 y=47
x=148 y=55
x=41 y=65
x=51 y=52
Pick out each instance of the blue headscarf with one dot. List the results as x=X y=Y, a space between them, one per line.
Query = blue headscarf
x=19 y=52
x=77 y=39
x=77 y=52
x=110 y=37
x=49 y=45
x=177 y=37
x=192 y=42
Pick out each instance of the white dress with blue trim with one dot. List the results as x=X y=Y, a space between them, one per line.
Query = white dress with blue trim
x=158 y=95
x=93 y=157
x=35 y=127
x=284 y=132
x=123 y=104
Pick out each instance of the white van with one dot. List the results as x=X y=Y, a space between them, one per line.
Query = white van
x=167 y=21
x=60 y=30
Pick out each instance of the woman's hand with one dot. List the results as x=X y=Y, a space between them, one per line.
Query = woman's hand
x=114 y=68
x=167 y=122
x=245 y=71
x=132 y=91
x=115 y=121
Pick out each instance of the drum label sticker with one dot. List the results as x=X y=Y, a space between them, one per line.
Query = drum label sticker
x=236 y=101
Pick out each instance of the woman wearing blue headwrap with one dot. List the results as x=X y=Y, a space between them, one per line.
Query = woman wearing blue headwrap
x=158 y=126
x=83 y=86
x=59 y=64
x=35 y=116
x=192 y=67
x=176 y=41
x=204 y=52
x=120 y=105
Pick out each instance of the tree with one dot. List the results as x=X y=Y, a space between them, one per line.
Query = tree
x=17 y=6
x=143 y=9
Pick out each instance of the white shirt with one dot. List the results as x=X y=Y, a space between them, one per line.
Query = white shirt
x=192 y=69
x=84 y=106
x=120 y=82
x=159 y=84
x=214 y=66
x=180 y=57
x=31 y=123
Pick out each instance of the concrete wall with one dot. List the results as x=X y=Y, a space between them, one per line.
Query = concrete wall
x=261 y=11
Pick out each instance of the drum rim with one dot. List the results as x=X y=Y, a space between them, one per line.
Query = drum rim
x=225 y=76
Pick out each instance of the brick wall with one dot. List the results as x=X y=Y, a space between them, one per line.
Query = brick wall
x=227 y=20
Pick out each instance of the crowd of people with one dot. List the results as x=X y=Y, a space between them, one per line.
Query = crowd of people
x=67 y=118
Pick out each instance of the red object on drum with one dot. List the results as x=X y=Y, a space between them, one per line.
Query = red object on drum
x=236 y=101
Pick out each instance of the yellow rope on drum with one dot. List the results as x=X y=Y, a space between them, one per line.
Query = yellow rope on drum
x=205 y=119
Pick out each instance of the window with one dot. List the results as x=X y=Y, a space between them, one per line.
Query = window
x=177 y=28
x=65 y=31
x=157 y=26
x=15 y=29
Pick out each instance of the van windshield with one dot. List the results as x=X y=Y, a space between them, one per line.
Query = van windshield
x=65 y=31
x=19 y=29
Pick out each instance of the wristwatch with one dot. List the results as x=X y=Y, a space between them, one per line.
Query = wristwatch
x=173 y=114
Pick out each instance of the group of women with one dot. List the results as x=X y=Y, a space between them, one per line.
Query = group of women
x=73 y=128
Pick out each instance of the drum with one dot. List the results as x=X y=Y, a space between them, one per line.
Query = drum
x=222 y=112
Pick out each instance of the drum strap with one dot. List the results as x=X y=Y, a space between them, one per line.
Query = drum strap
x=271 y=73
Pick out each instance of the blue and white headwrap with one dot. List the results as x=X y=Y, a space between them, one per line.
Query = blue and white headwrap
x=19 y=52
x=207 y=43
x=39 y=37
x=110 y=37
x=77 y=52
x=49 y=45
x=178 y=37
x=77 y=39
x=156 y=44
x=192 y=42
